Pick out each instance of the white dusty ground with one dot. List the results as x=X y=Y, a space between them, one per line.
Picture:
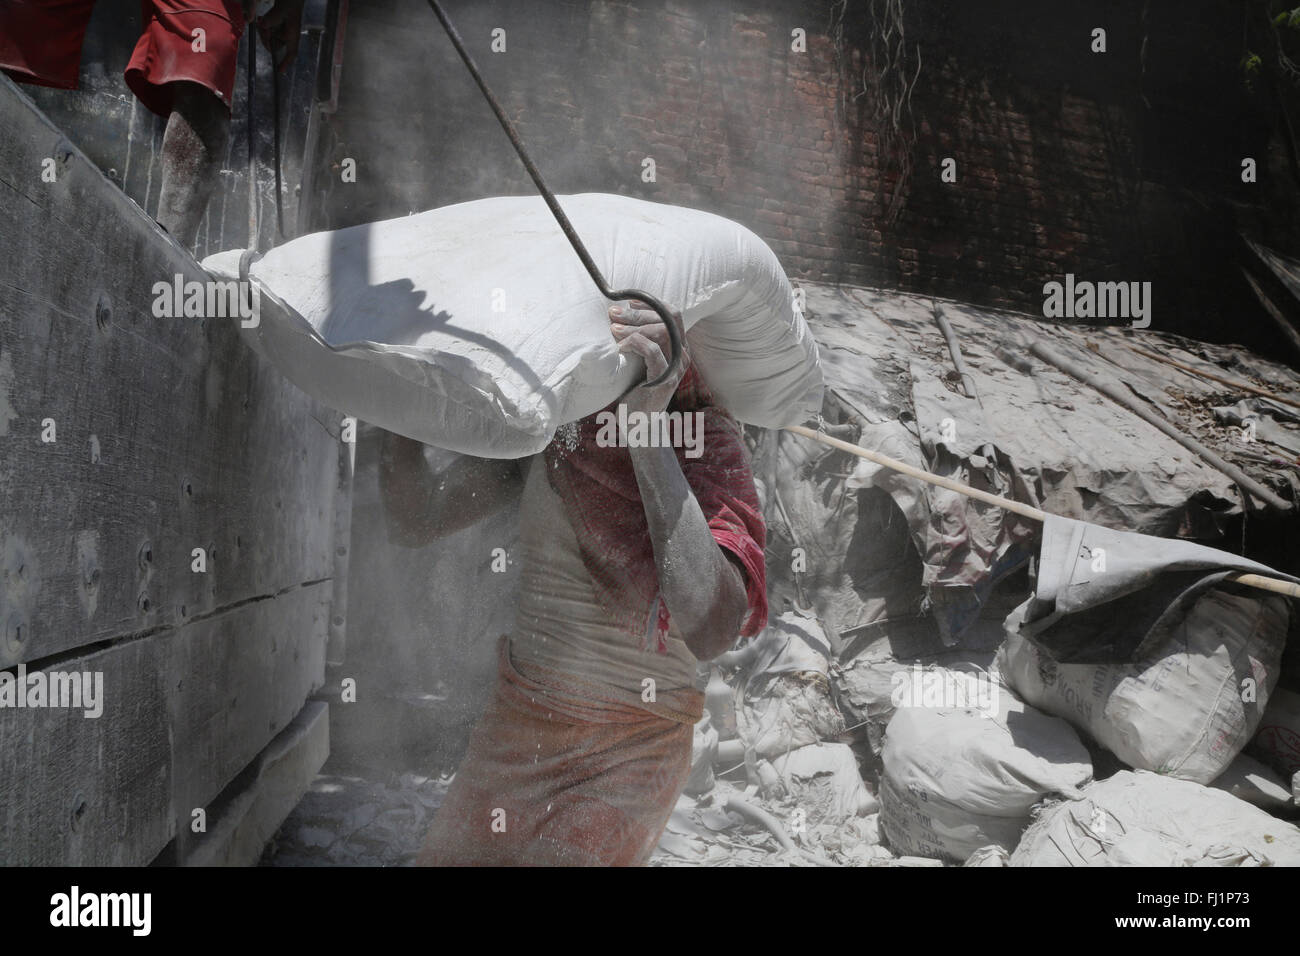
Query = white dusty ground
x=351 y=821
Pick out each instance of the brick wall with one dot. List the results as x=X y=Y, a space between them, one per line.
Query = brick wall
x=1049 y=144
x=1061 y=165
x=1060 y=169
x=734 y=121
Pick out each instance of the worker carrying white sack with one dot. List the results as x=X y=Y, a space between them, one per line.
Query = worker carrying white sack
x=475 y=328
x=636 y=563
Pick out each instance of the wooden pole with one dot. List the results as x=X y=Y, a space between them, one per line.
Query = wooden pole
x=905 y=469
x=1273 y=312
x=1243 y=480
x=954 y=349
x=1241 y=386
x=1250 y=580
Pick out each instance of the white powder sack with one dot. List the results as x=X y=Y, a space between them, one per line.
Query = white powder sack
x=476 y=328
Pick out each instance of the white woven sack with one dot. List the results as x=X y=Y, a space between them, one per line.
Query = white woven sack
x=476 y=328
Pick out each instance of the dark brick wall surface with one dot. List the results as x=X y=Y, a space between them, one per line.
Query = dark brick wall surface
x=1123 y=165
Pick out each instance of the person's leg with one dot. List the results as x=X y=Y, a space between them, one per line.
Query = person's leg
x=536 y=789
x=462 y=831
x=613 y=809
x=183 y=68
x=194 y=146
x=555 y=780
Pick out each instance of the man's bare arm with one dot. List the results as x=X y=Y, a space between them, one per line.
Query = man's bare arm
x=701 y=582
x=422 y=505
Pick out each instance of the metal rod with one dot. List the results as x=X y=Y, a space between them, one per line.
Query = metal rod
x=252 y=152
x=275 y=128
x=663 y=311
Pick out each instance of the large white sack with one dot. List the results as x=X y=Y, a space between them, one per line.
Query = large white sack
x=824 y=781
x=1277 y=739
x=1147 y=819
x=955 y=780
x=786 y=701
x=476 y=328
x=1179 y=712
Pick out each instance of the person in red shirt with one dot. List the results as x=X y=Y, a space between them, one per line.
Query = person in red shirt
x=636 y=563
x=182 y=68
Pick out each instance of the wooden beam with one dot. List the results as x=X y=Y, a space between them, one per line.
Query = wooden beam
x=265 y=794
x=1283 y=324
x=183 y=713
x=168 y=506
x=170 y=435
x=1120 y=397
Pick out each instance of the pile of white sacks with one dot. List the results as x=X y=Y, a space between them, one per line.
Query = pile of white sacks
x=991 y=768
x=1025 y=763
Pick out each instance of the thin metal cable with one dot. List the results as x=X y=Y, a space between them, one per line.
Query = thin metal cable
x=250 y=74
x=275 y=143
x=674 y=337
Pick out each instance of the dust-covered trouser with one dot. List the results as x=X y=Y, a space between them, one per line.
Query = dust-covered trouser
x=556 y=776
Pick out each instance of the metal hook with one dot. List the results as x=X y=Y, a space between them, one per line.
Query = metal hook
x=665 y=314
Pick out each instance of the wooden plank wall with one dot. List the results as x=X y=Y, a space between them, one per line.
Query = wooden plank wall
x=169 y=435
x=124 y=139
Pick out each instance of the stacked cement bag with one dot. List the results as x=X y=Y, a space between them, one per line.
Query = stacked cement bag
x=959 y=779
x=1179 y=711
x=824 y=781
x=1147 y=819
x=863 y=690
x=1277 y=740
x=787 y=701
x=476 y=328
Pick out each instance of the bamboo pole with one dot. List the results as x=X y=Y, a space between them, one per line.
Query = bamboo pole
x=1258 y=581
x=954 y=349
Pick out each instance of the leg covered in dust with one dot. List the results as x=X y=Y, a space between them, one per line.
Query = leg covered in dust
x=194 y=145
